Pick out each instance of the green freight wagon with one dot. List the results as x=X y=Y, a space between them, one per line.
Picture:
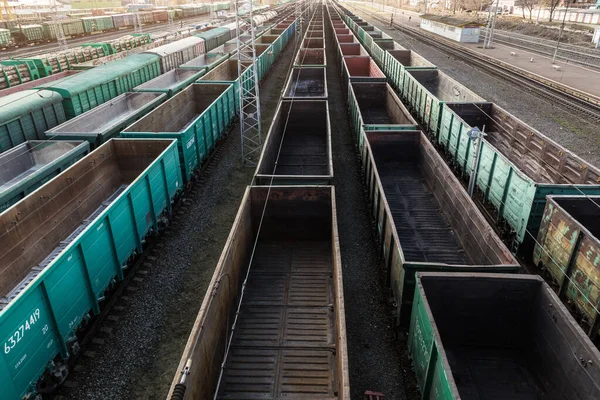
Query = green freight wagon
x=94 y=217
x=106 y=121
x=197 y=117
x=4 y=37
x=518 y=167
x=264 y=59
x=70 y=28
x=495 y=336
x=397 y=62
x=27 y=115
x=93 y=87
x=568 y=250
x=215 y=37
x=424 y=219
x=227 y=73
x=171 y=82
x=33 y=33
x=29 y=165
x=426 y=91
x=375 y=107
x=98 y=24
x=206 y=62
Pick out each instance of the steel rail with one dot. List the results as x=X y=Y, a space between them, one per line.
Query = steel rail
x=563 y=95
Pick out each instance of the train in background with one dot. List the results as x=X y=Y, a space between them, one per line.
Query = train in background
x=80 y=25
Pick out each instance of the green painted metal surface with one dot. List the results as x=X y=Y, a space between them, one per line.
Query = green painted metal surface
x=215 y=37
x=33 y=32
x=424 y=349
x=36 y=325
x=26 y=115
x=97 y=24
x=213 y=112
x=568 y=247
x=171 y=82
x=106 y=121
x=90 y=88
x=29 y=165
x=4 y=37
x=518 y=198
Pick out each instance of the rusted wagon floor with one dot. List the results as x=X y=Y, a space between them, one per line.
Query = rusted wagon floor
x=375 y=114
x=284 y=344
x=377 y=358
x=486 y=373
x=423 y=230
x=303 y=153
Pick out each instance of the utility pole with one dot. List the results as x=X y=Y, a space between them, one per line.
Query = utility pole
x=250 y=126
x=562 y=28
x=491 y=26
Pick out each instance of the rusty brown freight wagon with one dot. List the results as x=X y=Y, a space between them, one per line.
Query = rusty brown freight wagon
x=424 y=218
x=290 y=335
x=568 y=248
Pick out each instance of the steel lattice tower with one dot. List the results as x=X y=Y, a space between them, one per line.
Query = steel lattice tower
x=250 y=128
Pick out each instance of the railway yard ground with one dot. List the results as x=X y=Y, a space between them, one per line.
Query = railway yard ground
x=577 y=133
x=142 y=341
x=190 y=294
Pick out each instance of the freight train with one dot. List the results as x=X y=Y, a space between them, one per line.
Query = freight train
x=110 y=201
x=272 y=322
x=517 y=171
x=71 y=27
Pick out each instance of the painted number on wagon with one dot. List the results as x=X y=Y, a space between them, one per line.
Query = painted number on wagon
x=21 y=331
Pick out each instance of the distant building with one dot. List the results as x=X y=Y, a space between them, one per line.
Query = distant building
x=89 y=4
x=452 y=28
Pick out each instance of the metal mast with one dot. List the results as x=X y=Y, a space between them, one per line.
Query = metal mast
x=250 y=129
x=299 y=20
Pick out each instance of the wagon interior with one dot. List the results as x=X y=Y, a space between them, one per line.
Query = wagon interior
x=105 y=115
x=204 y=60
x=533 y=153
x=180 y=111
x=310 y=57
x=286 y=329
x=362 y=67
x=409 y=58
x=445 y=88
x=304 y=128
x=306 y=82
x=509 y=339
x=583 y=209
x=434 y=219
x=227 y=71
x=313 y=43
x=27 y=158
x=379 y=105
x=352 y=49
x=169 y=79
x=75 y=197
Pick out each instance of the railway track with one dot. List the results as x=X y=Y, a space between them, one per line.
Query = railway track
x=566 y=53
x=73 y=42
x=581 y=103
